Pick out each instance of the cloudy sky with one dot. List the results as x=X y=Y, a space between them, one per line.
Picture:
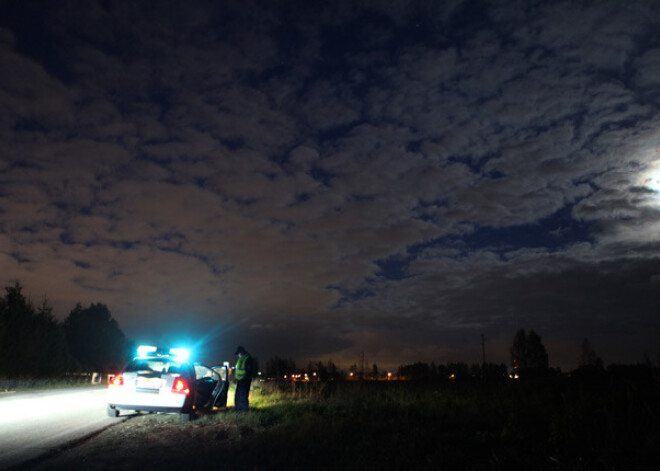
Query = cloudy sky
x=320 y=179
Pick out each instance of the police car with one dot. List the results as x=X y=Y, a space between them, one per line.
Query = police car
x=159 y=380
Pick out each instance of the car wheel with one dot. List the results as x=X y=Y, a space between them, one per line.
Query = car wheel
x=112 y=411
x=187 y=416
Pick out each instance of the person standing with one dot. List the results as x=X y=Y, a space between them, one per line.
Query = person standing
x=243 y=375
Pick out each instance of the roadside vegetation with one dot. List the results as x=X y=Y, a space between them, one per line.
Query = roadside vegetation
x=582 y=423
x=585 y=423
x=37 y=350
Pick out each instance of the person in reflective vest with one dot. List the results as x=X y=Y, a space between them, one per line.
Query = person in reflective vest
x=243 y=375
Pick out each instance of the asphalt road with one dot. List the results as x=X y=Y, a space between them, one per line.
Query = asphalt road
x=36 y=423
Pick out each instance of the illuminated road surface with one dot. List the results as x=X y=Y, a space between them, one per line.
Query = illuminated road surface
x=36 y=422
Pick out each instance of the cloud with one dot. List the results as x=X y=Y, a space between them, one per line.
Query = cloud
x=394 y=178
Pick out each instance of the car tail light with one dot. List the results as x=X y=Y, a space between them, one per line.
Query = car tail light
x=180 y=386
x=117 y=380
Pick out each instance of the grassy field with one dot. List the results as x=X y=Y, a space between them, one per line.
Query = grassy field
x=558 y=423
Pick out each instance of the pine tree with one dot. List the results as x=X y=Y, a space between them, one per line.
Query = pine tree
x=95 y=339
x=31 y=341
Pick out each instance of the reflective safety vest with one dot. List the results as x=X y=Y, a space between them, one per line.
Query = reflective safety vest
x=241 y=370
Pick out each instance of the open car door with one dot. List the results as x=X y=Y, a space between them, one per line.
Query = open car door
x=206 y=382
x=222 y=388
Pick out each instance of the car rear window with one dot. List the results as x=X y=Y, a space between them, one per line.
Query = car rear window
x=156 y=365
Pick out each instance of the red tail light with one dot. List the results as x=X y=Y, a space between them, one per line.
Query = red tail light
x=117 y=381
x=180 y=386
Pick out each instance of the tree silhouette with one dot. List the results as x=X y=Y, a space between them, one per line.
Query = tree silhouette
x=538 y=356
x=519 y=350
x=320 y=370
x=416 y=371
x=95 y=340
x=333 y=371
x=589 y=361
x=528 y=353
x=278 y=368
x=32 y=343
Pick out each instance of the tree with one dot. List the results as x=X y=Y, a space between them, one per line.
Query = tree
x=321 y=371
x=278 y=368
x=52 y=355
x=489 y=371
x=458 y=370
x=528 y=353
x=16 y=315
x=416 y=371
x=95 y=339
x=333 y=371
x=518 y=350
x=374 y=371
x=589 y=361
x=32 y=343
x=537 y=354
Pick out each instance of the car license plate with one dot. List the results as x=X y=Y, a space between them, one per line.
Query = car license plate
x=149 y=383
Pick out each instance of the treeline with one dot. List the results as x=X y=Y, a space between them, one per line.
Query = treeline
x=33 y=344
x=425 y=371
x=285 y=368
x=528 y=356
x=529 y=359
x=277 y=368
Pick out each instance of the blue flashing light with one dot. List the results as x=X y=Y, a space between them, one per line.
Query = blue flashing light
x=144 y=350
x=180 y=354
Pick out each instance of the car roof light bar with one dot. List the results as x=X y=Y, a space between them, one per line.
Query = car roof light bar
x=181 y=354
x=144 y=350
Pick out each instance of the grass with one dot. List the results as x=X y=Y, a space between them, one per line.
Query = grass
x=554 y=423
x=583 y=424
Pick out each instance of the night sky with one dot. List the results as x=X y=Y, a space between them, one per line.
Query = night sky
x=317 y=179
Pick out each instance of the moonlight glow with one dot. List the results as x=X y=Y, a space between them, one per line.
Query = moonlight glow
x=338 y=180
x=651 y=179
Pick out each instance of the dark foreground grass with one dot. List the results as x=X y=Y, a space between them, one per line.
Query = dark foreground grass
x=557 y=423
x=586 y=423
